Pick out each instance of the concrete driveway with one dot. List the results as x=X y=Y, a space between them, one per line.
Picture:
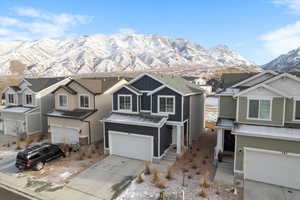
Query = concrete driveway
x=107 y=177
x=256 y=190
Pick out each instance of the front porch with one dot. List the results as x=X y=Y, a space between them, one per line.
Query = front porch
x=225 y=138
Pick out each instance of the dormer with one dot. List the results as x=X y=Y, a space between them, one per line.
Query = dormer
x=12 y=96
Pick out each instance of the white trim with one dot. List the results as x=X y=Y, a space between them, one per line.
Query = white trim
x=156 y=90
x=124 y=110
x=237 y=109
x=254 y=77
x=163 y=154
x=182 y=104
x=294 y=110
x=263 y=86
x=287 y=75
x=58 y=103
x=235 y=151
x=54 y=86
x=15 y=96
x=158 y=105
x=145 y=110
x=160 y=124
x=104 y=133
x=266 y=136
x=259 y=101
x=62 y=126
x=128 y=88
x=131 y=134
x=25 y=98
x=283 y=117
x=158 y=148
x=174 y=123
x=89 y=99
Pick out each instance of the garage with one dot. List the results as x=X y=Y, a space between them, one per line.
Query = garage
x=131 y=145
x=13 y=127
x=273 y=167
x=64 y=135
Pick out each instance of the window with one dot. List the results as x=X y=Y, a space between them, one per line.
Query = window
x=28 y=99
x=125 y=102
x=297 y=110
x=259 y=109
x=84 y=101
x=11 y=98
x=63 y=100
x=166 y=104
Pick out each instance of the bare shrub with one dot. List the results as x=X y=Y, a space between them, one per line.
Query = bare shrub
x=185 y=170
x=27 y=141
x=14 y=142
x=160 y=184
x=139 y=178
x=194 y=165
x=82 y=155
x=147 y=168
x=206 y=180
x=203 y=194
x=169 y=175
x=204 y=162
x=198 y=173
x=18 y=147
x=156 y=175
x=218 y=190
x=206 y=157
x=93 y=149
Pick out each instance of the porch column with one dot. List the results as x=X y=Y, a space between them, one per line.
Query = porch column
x=178 y=135
x=220 y=138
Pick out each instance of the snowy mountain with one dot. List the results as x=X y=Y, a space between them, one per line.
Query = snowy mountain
x=108 y=53
x=286 y=62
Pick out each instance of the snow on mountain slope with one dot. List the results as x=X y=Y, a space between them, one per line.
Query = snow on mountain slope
x=286 y=62
x=108 y=53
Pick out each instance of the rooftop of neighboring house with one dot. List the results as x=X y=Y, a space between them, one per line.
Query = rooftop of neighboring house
x=95 y=85
x=38 y=84
x=178 y=83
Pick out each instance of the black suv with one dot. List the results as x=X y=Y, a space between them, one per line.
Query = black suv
x=36 y=156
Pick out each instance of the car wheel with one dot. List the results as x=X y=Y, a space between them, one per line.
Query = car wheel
x=39 y=166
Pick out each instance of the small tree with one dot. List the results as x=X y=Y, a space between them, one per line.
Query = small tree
x=18 y=147
x=156 y=176
x=27 y=142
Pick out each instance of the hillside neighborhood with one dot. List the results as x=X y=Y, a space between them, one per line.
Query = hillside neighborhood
x=145 y=136
x=150 y=100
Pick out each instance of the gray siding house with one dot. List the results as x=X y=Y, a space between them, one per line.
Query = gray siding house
x=152 y=113
x=26 y=104
x=259 y=124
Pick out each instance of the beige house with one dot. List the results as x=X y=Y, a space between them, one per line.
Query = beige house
x=79 y=105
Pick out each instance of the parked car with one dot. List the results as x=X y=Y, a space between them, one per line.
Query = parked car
x=36 y=156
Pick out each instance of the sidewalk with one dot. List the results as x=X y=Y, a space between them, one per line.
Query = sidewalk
x=18 y=184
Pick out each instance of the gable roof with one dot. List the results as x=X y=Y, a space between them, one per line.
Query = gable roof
x=229 y=80
x=15 y=88
x=255 y=76
x=177 y=83
x=93 y=85
x=38 y=84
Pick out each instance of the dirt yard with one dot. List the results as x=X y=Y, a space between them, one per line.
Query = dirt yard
x=196 y=165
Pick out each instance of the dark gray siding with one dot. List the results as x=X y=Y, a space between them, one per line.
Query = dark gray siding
x=178 y=104
x=165 y=137
x=125 y=91
x=186 y=108
x=146 y=83
x=141 y=130
x=185 y=129
x=145 y=102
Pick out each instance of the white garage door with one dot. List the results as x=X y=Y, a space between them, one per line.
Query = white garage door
x=131 y=145
x=64 y=135
x=272 y=167
x=13 y=127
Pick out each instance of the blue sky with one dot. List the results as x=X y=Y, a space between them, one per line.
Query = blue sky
x=258 y=29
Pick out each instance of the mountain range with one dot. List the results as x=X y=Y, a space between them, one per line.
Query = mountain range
x=286 y=62
x=110 y=53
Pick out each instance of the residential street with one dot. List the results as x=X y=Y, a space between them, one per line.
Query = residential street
x=8 y=195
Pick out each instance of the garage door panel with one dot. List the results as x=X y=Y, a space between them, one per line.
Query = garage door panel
x=272 y=167
x=11 y=127
x=131 y=146
x=64 y=135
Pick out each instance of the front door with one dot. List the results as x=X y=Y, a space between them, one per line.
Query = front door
x=229 y=141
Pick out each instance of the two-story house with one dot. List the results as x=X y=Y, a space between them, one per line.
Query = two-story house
x=259 y=121
x=26 y=104
x=79 y=105
x=152 y=112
